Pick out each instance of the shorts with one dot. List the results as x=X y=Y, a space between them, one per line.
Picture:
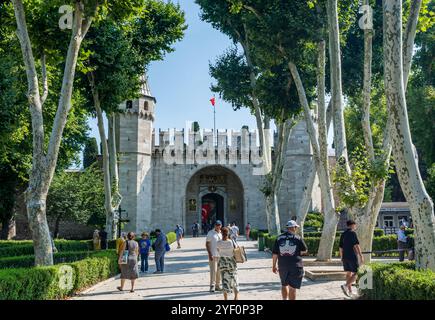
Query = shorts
x=350 y=265
x=292 y=277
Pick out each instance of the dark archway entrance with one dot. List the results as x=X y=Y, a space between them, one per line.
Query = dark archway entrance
x=219 y=187
x=212 y=205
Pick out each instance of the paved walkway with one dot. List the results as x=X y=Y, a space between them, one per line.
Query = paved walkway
x=186 y=277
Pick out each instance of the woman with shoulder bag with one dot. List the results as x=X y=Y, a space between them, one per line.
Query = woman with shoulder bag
x=128 y=253
x=227 y=265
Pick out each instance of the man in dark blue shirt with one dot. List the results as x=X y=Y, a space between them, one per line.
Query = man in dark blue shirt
x=159 y=247
x=287 y=251
x=350 y=251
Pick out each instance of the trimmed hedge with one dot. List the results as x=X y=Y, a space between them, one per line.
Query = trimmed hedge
x=379 y=233
x=255 y=233
x=400 y=281
x=26 y=248
x=27 y=261
x=44 y=283
x=379 y=244
x=316 y=234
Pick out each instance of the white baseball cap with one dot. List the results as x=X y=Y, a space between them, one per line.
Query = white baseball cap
x=291 y=224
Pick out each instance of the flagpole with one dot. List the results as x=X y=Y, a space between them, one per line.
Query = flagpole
x=214 y=120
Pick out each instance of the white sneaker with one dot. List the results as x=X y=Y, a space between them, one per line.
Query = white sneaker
x=345 y=291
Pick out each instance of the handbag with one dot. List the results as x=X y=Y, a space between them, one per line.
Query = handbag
x=239 y=253
x=167 y=246
x=124 y=258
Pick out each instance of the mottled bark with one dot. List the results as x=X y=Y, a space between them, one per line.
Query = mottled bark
x=106 y=165
x=367 y=91
x=309 y=184
x=322 y=163
x=263 y=122
x=420 y=203
x=272 y=207
x=409 y=38
x=114 y=174
x=336 y=83
x=44 y=78
x=44 y=163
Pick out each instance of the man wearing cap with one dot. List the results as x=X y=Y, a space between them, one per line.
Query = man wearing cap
x=287 y=251
x=213 y=237
x=350 y=251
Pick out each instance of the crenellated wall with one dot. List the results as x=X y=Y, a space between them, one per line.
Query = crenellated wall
x=161 y=172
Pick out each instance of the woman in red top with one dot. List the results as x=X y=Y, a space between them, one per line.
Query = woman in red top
x=248 y=230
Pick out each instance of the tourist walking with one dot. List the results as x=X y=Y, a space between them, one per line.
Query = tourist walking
x=195 y=229
x=103 y=239
x=96 y=240
x=129 y=252
x=227 y=265
x=179 y=232
x=120 y=241
x=159 y=247
x=402 y=242
x=234 y=231
x=144 y=247
x=213 y=237
x=350 y=252
x=248 y=231
x=287 y=251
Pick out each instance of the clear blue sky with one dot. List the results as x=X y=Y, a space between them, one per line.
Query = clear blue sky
x=181 y=82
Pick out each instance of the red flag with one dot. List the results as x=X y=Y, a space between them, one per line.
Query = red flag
x=213 y=101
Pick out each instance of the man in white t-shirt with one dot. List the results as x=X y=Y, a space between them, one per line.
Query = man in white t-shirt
x=213 y=237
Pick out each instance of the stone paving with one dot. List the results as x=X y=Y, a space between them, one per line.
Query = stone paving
x=186 y=277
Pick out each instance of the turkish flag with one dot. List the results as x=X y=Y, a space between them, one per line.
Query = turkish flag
x=213 y=101
x=205 y=212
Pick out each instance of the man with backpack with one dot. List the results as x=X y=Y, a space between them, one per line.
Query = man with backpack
x=287 y=251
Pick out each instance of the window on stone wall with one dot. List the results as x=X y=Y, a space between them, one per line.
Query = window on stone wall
x=146 y=105
x=129 y=104
x=388 y=221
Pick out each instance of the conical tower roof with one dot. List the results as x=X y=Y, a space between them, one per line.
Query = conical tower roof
x=145 y=90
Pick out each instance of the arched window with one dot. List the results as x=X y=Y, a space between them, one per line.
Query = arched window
x=146 y=105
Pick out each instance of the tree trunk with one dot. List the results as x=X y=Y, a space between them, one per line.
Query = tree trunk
x=367 y=91
x=112 y=151
x=8 y=231
x=113 y=161
x=336 y=83
x=420 y=203
x=409 y=38
x=304 y=206
x=44 y=164
x=308 y=189
x=366 y=219
x=322 y=163
x=272 y=211
x=56 y=226
x=106 y=165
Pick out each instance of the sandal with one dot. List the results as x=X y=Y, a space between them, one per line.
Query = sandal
x=119 y=288
x=131 y=290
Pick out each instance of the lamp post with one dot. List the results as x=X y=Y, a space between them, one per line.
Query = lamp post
x=120 y=220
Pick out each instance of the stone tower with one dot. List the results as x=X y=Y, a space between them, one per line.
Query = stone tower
x=134 y=128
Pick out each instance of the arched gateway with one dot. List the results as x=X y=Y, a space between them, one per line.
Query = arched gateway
x=215 y=193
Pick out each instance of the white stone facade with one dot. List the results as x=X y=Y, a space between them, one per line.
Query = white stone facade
x=160 y=194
